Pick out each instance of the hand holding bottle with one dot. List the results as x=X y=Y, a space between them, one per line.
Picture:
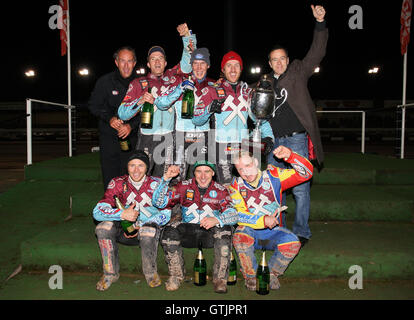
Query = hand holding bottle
x=115 y=122
x=130 y=214
x=147 y=97
x=187 y=85
x=124 y=130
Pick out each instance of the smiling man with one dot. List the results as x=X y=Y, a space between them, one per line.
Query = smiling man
x=134 y=191
x=190 y=140
x=158 y=140
x=207 y=215
x=227 y=104
x=108 y=93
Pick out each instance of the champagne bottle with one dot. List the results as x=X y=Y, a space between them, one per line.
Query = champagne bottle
x=147 y=114
x=125 y=144
x=126 y=225
x=187 y=107
x=232 y=279
x=262 y=276
x=200 y=268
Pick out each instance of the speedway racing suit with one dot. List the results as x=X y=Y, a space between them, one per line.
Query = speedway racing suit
x=229 y=128
x=149 y=222
x=253 y=203
x=158 y=141
x=196 y=204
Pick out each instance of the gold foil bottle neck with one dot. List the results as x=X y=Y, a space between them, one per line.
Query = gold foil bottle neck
x=263 y=262
x=200 y=255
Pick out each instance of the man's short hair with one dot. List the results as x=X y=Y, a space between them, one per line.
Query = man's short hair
x=278 y=47
x=243 y=153
x=132 y=50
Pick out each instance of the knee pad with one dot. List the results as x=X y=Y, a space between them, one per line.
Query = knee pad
x=242 y=241
x=104 y=229
x=222 y=233
x=289 y=249
x=147 y=232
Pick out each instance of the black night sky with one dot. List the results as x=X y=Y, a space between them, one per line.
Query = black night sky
x=98 y=28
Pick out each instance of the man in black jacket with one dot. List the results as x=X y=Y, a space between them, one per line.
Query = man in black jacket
x=294 y=121
x=105 y=99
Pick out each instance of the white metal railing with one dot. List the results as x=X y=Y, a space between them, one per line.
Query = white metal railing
x=403 y=106
x=362 y=125
x=29 y=124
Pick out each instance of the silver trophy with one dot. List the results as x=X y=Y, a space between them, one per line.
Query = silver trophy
x=262 y=105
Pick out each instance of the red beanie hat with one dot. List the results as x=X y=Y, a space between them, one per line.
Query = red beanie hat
x=231 y=55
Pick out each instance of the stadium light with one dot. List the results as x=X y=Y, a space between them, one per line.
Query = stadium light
x=255 y=70
x=30 y=73
x=317 y=69
x=84 y=72
x=373 y=70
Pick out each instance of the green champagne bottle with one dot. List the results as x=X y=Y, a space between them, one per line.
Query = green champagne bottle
x=232 y=279
x=262 y=276
x=147 y=114
x=187 y=107
x=200 y=268
x=126 y=225
x=125 y=144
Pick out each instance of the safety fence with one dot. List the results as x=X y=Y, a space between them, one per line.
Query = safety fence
x=29 y=102
x=365 y=114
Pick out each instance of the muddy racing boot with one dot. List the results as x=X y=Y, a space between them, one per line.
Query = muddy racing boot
x=274 y=282
x=250 y=284
x=220 y=285
x=175 y=269
x=153 y=280
x=105 y=282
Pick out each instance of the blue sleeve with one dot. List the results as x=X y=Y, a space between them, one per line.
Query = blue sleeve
x=160 y=196
x=161 y=218
x=189 y=43
x=165 y=101
x=200 y=116
x=104 y=212
x=127 y=110
x=228 y=217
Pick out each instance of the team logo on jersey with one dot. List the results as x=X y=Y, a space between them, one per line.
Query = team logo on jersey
x=154 y=185
x=124 y=187
x=111 y=184
x=189 y=194
x=144 y=83
x=243 y=193
x=213 y=194
x=266 y=185
x=220 y=92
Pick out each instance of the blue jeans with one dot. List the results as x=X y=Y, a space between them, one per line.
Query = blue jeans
x=299 y=144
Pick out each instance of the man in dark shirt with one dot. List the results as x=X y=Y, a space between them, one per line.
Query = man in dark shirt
x=294 y=121
x=105 y=99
